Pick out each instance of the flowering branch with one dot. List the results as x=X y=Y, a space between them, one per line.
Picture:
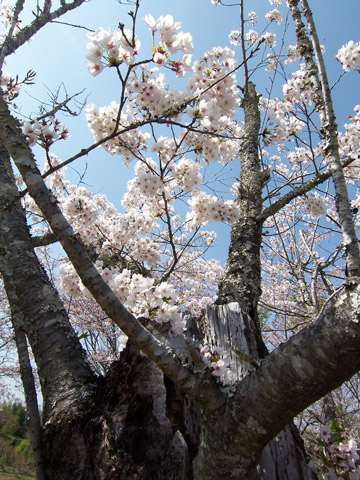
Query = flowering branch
x=204 y=390
x=298 y=191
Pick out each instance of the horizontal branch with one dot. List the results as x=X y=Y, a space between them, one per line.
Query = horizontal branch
x=49 y=238
x=312 y=363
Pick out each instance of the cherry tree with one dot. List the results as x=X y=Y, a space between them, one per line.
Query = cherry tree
x=154 y=360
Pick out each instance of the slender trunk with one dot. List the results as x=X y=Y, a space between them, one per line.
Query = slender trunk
x=242 y=278
x=310 y=47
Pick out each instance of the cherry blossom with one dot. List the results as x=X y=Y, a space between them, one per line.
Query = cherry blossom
x=45 y=132
x=349 y=56
x=253 y=18
x=274 y=16
x=234 y=36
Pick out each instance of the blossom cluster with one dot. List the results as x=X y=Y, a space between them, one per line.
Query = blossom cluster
x=299 y=87
x=108 y=231
x=46 y=131
x=338 y=460
x=171 y=41
x=11 y=88
x=223 y=367
x=315 y=205
x=151 y=95
x=298 y=90
x=187 y=174
x=349 y=56
x=102 y=123
x=274 y=16
x=350 y=142
x=138 y=293
x=108 y=48
x=6 y=17
x=206 y=208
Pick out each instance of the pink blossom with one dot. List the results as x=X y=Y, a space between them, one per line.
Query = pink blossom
x=159 y=58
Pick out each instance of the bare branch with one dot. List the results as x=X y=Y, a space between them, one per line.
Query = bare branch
x=13 y=43
x=298 y=191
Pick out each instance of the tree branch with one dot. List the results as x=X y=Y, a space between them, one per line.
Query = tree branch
x=12 y=44
x=312 y=363
x=48 y=238
x=17 y=10
x=298 y=191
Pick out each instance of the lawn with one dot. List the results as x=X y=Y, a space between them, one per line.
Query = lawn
x=15 y=476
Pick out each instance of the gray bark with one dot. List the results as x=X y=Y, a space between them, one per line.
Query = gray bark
x=310 y=48
x=159 y=414
x=63 y=374
x=231 y=328
x=242 y=277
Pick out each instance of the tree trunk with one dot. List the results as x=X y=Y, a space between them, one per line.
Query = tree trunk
x=27 y=377
x=229 y=327
x=158 y=433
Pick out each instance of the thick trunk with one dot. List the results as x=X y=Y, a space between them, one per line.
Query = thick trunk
x=134 y=424
x=27 y=377
x=142 y=427
x=65 y=377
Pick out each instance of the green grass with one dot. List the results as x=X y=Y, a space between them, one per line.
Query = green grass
x=15 y=476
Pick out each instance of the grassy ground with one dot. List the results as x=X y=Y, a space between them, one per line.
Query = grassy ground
x=15 y=476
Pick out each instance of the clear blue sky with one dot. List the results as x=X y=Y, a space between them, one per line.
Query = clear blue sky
x=57 y=54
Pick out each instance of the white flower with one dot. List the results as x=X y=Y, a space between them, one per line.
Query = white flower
x=252 y=36
x=274 y=16
x=234 y=37
x=269 y=39
x=159 y=58
x=150 y=22
x=95 y=68
x=253 y=18
x=349 y=56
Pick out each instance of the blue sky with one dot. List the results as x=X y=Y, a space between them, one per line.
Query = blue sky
x=57 y=54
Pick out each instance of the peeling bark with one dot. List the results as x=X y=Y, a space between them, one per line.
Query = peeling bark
x=224 y=450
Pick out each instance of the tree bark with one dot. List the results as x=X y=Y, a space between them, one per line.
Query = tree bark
x=27 y=377
x=85 y=420
x=230 y=327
